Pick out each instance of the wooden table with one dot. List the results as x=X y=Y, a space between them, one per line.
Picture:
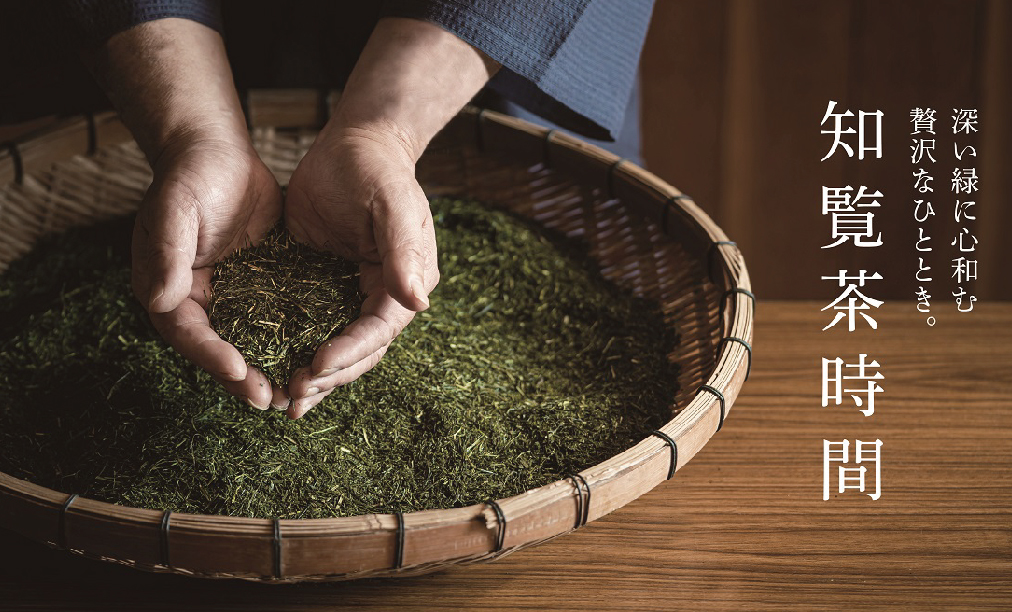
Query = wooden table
x=744 y=524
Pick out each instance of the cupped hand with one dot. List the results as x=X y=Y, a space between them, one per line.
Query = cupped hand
x=355 y=194
x=209 y=196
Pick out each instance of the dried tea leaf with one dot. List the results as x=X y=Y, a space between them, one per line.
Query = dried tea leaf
x=279 y=300
x=528 y=366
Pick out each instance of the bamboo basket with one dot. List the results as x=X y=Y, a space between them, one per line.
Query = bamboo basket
x=648 y=237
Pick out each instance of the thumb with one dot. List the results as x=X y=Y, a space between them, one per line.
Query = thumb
x=406 y=244
x=171 y=248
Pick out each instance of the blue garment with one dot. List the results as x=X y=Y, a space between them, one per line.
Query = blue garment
x=627 y=142
x=572 y=62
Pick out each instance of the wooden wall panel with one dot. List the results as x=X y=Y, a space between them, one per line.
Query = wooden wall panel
x=906 y=57
x=771 y=177
x=996 y=151
x=682 y=88
x=771 y=67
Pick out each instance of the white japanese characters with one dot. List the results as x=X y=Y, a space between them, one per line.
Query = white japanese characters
x=839 y=131
x=848 y=223
x=836 y=373
x=858 y=467
x=853 y=223
x=922 y=122
x=965 y=184
x=851 y=301
x=852 y=477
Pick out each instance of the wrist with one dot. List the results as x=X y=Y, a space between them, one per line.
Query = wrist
x=170 y=81
x=187 y=138
x=410 y=80
x=396 y=139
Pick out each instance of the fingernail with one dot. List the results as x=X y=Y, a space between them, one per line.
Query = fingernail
x=250 y=402
x=312 y=391
x=418 y=291
x=326 y=372
x=283 y=406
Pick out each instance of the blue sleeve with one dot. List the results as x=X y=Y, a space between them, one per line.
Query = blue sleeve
x=572 y=62
x=92 y=22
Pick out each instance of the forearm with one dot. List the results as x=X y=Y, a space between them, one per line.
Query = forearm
x=410 y=80
x=170 y=81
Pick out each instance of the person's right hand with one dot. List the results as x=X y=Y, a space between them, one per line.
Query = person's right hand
x=172 y=85
x=209 y=197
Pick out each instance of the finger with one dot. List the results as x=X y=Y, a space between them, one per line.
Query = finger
x=381 y=320
x=347 y=375
x=406 y=241
x=169 y=226
x=304 y=384
x=186 y=329
x=255 y=389
x=280 y=398
x=301 y=406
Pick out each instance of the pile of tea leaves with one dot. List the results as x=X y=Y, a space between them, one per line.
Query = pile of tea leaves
x=279 y=300
x=527 y=367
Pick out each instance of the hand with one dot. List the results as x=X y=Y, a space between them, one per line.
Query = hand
x=209 y=197
x=355 y=194
x=170 y=81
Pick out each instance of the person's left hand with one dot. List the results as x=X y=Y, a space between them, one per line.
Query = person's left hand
x=355 y=194
x=209 y=197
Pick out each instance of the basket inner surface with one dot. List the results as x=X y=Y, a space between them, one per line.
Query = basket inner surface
x=633 y=251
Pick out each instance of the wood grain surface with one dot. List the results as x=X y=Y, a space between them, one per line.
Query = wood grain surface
x=743 y=525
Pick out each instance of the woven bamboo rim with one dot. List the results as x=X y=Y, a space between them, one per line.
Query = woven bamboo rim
x=648 y=237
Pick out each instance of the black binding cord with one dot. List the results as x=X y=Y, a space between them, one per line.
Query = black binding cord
x=668 y=205
x=748 y=347
x=500 y=536
x=582 y=502
x=62 y=533
x=166 y=559
x=710 y=254
x=399 y=553
x=720 y=396
x=277 y=548
x=579 y=501
x=19 y=164
x=546 y=143
x=729 y=292
x=674 y=450
x=611 y=176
